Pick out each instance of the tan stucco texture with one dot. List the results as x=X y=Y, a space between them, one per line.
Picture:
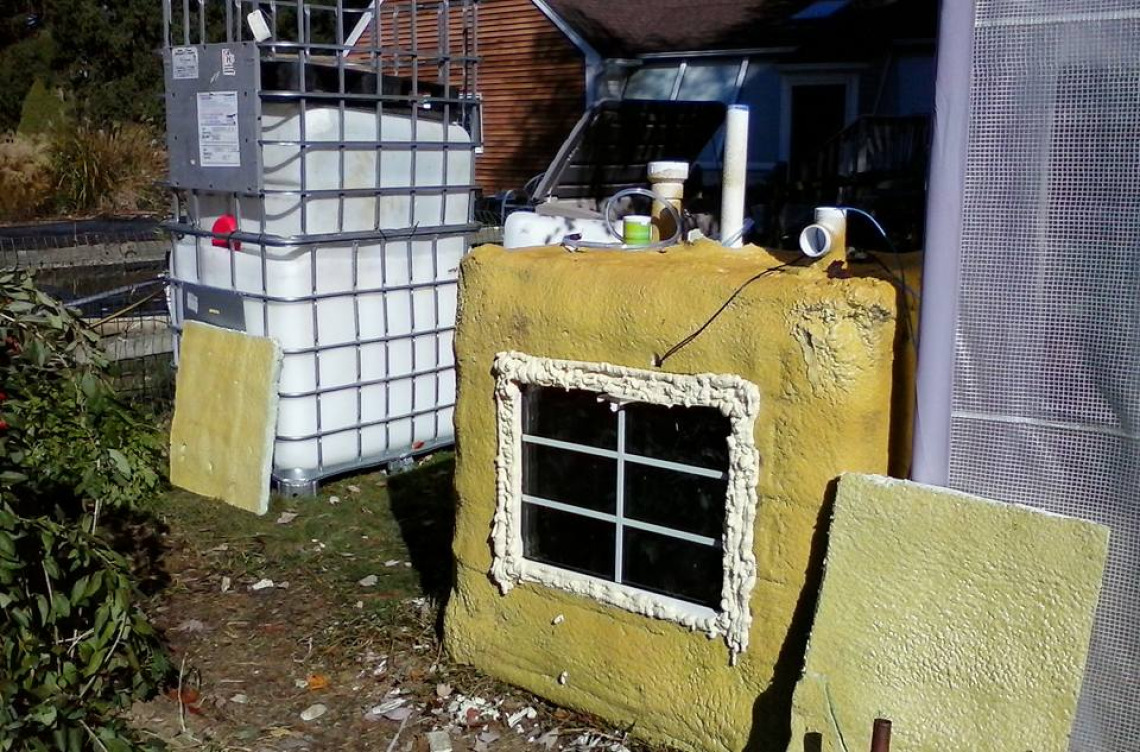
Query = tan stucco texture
x=822 y=352
x=225 y=413
x=964 y=622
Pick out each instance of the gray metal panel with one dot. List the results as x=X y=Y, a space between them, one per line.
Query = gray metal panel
x=210 y=305
x=203 y=82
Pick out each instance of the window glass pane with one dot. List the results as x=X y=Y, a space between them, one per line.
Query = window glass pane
x=651 y=82
x=570 y=477
x=710 y=81
x=675 y=500
x=673 y=567
x=568 y=540
x=569 y=415
x=690 y=435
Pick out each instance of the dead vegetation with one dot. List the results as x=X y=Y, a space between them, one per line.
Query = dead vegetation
x=81 y=170
x=317 y=628
x=25 y=176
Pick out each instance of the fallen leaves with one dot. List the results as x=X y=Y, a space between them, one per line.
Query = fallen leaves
x=188 y=698
x=394 y=708
x=190 y=626
x=313 y=712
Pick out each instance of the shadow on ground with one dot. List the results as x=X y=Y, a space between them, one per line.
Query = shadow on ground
x=423 y=503
x=140 y=536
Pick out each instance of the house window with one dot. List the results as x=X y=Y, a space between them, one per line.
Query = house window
x=711 y=81
x=633 y=487
x=652 y=82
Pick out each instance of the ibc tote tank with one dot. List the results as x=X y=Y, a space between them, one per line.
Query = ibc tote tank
x=331 y=217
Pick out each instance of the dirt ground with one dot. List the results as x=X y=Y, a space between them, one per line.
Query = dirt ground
x=316 y=628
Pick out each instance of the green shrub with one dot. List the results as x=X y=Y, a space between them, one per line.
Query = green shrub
x=75 y=647
x=105 y=57
x=21 y=63
x=43 y=111
x=66 y=432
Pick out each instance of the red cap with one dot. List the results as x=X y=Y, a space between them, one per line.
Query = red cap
x=223 y=227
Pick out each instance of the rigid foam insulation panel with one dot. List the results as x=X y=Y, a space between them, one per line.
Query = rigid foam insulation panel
x=822 y=354
x=225 y=415
x=964 y=621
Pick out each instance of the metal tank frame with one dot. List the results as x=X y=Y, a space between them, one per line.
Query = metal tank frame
x=412 y=57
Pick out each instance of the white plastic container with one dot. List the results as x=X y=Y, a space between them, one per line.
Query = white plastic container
x=524 y=229
x=366 y=330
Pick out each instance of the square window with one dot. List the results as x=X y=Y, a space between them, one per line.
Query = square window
x=636 y=488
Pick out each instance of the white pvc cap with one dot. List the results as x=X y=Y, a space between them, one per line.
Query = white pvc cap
x=668 y=171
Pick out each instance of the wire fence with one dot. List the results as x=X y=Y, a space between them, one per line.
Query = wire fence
x=116 y=279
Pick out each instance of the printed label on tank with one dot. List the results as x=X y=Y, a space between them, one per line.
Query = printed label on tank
x=184 y=62
x=229 y=60
x=218 y=141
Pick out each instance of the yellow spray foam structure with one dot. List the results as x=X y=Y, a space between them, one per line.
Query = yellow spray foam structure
x=225 y=415
x=963 y=621
x=822 y=355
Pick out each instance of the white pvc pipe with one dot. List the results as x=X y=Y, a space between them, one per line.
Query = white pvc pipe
x=667 y=181
x=931 y=455
x=828 y=233
x=735 y=178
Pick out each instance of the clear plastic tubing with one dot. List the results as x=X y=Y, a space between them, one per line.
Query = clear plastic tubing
x=608 y=215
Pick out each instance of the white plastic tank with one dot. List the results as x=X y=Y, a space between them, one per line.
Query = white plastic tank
x=366 y=330
x=525 y=229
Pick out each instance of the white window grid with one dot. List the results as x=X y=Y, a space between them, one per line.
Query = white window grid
x=736 y=398
x=618 y=518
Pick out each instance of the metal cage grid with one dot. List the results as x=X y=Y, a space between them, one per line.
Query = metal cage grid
x=345 y=171
x=1046 y=392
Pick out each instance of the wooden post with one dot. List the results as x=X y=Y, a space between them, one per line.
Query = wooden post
x=881 y=736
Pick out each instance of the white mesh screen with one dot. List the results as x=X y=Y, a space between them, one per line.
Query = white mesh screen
x=1046 y=408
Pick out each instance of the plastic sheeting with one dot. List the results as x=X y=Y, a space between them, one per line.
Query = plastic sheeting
x=1045 y=407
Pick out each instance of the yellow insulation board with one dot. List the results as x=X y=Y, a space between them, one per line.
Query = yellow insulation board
x=225 y=415
x=963 y=621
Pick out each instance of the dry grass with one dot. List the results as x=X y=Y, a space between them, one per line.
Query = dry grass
x=107 y=170
x=26 y=183
x=81 y=170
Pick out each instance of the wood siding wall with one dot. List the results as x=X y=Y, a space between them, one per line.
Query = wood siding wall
x=533 y=82
x=531 y=77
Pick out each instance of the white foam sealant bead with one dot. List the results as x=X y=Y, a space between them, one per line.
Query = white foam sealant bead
x=735 y=178
x=735 y=397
